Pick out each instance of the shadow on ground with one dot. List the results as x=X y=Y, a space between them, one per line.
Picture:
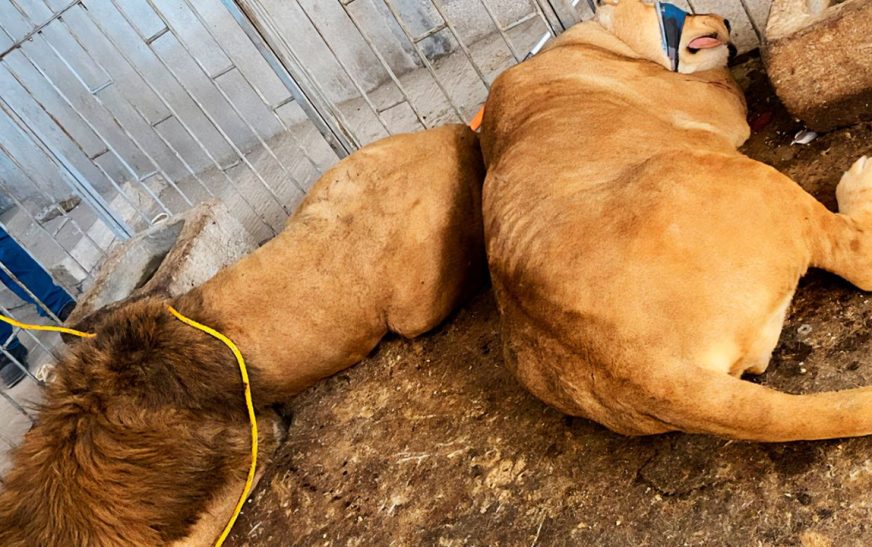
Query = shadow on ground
x=432 y=442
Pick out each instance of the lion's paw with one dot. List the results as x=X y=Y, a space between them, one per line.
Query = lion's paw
x=854 y=192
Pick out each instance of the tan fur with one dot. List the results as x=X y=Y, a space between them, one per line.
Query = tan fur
x=143 y=438
x=642 y=264
x=387 y=240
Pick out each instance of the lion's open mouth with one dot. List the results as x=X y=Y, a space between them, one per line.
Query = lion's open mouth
x=707 y=41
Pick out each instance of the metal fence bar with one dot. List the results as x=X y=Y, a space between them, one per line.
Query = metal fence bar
x=515 y=53
x=112 y=182
x=106 y=141
x=50 y=350
x=554 y=31
x=37 y=223
x=191 y=171
x=263 y=142
x=4 y=350
x=128 y=232
x=438 y=6
x=95 y=93
x=555 y=12
x=240 y=154
x=429 y=66
x=754 y=24
x=343 y=143
x=303 y=76
x=272 y=108
x=16 y=331
x=11 y=400
x=30 y=334
x=79 y=182
x=254 y=131
x=384 y=63
x=181 y=122
x=346 y=70
x=293 y=136
x=29 y=293
x=172 y=115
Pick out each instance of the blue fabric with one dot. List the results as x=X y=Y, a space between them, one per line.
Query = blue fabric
x=33 y=276
x=671 y=25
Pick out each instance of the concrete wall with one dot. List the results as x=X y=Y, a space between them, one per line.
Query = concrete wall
x=317 y=30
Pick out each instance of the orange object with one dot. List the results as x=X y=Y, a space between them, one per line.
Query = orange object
x=475 y=124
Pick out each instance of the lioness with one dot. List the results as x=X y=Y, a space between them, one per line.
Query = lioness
x=144 y=432
x=641 y=264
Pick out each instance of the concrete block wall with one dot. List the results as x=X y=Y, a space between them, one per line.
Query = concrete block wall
x=319 y=30
x=125 y=106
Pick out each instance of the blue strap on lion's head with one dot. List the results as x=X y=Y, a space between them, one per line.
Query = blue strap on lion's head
x=671 y=25
x=671 y=19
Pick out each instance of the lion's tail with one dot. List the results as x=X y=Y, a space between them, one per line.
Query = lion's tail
x=705 y=401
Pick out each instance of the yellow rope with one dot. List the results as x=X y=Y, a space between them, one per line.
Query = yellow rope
x=25 y=326
x=248 y=403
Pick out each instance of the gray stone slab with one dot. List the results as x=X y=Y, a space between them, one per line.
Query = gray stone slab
x=170 y=258
x=817 y=61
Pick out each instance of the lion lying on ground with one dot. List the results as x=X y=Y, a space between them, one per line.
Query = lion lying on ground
x=144 y=428
x=641 y=264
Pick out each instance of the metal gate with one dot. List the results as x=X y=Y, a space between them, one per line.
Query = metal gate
x=117 y=113
x=376 y=67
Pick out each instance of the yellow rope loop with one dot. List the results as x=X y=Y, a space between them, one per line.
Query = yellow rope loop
x=49 y=328
x=248 y=403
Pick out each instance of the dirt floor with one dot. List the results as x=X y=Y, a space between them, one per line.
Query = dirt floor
x=432 y=441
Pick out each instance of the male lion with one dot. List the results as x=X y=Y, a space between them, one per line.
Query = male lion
x=144 y=433
x=640 y=263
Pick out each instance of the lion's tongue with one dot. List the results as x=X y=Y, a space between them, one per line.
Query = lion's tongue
x=704 y=42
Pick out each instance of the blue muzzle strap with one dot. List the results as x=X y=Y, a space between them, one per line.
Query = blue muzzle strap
x=671 y=20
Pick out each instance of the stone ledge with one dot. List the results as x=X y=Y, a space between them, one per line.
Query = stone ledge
x=817 y=56
x=169 y=258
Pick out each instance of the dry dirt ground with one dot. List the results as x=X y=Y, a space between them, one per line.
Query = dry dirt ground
x=432 y=442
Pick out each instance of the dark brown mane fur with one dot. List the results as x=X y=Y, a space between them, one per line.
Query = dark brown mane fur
x=130 y=416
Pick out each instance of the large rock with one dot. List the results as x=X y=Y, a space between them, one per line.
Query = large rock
x=170 y=258
x=818 y=58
